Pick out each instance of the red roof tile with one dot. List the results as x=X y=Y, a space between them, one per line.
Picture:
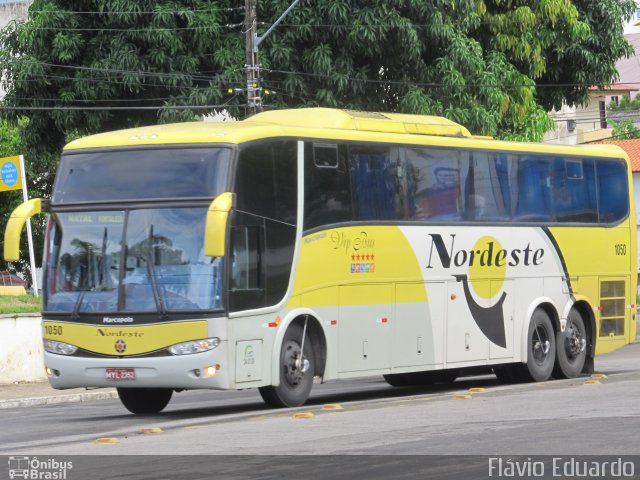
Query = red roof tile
x=614 y=88
x=632 y=147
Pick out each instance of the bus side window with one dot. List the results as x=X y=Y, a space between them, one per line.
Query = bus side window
x=613 y=203
x=247 y=281
x=574 y=191
x=245 y=258
x=327 y=186
x=377 y=179
x=486 y=188
x=435 y=183
x=264 y=224
x=534 y=184
x=266 y=181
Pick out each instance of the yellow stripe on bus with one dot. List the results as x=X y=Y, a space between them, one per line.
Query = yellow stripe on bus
x=362 y=255
x=139 y=339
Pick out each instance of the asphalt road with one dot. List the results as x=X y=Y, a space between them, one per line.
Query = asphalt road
x=379 y=431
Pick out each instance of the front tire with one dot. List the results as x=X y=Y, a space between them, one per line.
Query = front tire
x=296 y=374
x=145 y=400
x=571 y=348
x=541 y=348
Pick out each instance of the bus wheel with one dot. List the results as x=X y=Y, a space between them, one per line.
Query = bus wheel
x=541 y=348
x=145 y=400
x=296 y=372
x=572 y=347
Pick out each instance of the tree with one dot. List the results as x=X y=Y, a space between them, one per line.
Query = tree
x=495 y=66
x=625 y=130
x=77 y=67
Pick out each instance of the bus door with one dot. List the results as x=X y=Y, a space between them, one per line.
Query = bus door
x=465 y=341
x=365 y=327
x=479 y=326
x=497 y=349
x=418 y=330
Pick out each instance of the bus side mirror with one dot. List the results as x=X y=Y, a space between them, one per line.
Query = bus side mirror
x=15 y=225
x=215 y=233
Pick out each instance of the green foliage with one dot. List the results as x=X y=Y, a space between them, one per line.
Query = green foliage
x=625 y=130
x=129 y=62
x=594 y=45
x=20 y=304
x=485 y=63
x=625 y=104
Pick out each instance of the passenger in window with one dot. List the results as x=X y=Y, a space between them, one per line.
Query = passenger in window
x=441 y=198
x=446 y=179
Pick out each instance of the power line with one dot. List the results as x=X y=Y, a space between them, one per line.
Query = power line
x=161 y=107
x=438 y=85
x=123 y=12
x=309 y=74
x=137 y=30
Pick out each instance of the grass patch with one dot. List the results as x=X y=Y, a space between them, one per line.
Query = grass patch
x=20 y=304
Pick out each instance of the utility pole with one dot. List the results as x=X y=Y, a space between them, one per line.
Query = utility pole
x=254 y=101
x=254 y=89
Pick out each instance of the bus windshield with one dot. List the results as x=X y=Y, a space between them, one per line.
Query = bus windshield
x=142 y=174
x=147 y=260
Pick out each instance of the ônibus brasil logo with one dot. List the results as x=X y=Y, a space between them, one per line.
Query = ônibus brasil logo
x=38 y=469
x=487 y=259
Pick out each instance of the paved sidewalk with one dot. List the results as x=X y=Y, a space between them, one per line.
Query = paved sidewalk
x=41 y=393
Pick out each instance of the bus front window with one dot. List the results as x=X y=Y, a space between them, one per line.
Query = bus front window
x=165 y=267
x=162 y=268
x=84 y=253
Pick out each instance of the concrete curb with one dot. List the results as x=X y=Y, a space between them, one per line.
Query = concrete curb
x=56 y=399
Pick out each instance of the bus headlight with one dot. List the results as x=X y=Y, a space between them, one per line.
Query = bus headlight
x=195 y=346
x=59 y=348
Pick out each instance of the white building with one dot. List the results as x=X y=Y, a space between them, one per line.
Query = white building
x=632 y=27
x=13 y=10
x=577 y=124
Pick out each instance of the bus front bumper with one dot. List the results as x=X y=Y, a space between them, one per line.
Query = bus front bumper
x=199 y=370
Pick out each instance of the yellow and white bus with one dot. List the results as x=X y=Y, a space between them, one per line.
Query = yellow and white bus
x=329 y=244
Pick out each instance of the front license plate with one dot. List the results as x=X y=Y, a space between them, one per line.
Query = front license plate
x=120 y=374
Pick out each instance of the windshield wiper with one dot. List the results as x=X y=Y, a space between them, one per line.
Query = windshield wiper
x=151 y=271
x=102 y=263
x=75 y=313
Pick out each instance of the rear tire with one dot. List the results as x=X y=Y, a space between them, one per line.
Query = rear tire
x=541 y=348
x=145 y=400
x=571 y=347
x=296 y=378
